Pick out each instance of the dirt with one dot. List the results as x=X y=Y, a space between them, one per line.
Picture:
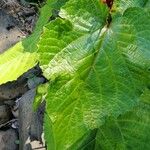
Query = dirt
x=9 y=33
x=8 y=139
x=17 y=21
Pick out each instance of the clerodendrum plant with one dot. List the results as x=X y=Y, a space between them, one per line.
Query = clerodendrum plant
x=97 y=62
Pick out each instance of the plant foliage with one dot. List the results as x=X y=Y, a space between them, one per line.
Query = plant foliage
x=97 y=61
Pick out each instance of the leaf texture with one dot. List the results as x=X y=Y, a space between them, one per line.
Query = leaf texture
x=128 y=131
x=122 y=5
x=95 y=71
x=97 y=96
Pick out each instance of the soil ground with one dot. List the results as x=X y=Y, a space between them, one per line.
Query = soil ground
x=16 y=22
x=9 y=31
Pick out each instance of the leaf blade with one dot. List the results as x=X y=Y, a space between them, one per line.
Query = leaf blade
x=89 y=79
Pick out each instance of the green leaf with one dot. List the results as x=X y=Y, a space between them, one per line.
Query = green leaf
x=15 y=62
x=147 y=4
x=30 y=43
x=62 y=33
x=122 y=5
x=46 y=12
x=50 y=141
x=96 y=71
x=59 y=33
x=40 y=95
x=128 y=131
x=53 y=39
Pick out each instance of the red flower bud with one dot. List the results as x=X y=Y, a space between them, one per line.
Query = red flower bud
x=108 y=2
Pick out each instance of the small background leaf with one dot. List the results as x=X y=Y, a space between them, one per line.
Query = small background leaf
x=15 y=62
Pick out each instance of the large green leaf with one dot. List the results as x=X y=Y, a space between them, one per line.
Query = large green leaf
x=63 y=33
x=95 y=71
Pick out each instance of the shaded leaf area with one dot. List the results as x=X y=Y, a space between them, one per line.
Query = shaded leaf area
x=128 y=131
x=122 y=5
x=147 y=4
x=95 y=72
